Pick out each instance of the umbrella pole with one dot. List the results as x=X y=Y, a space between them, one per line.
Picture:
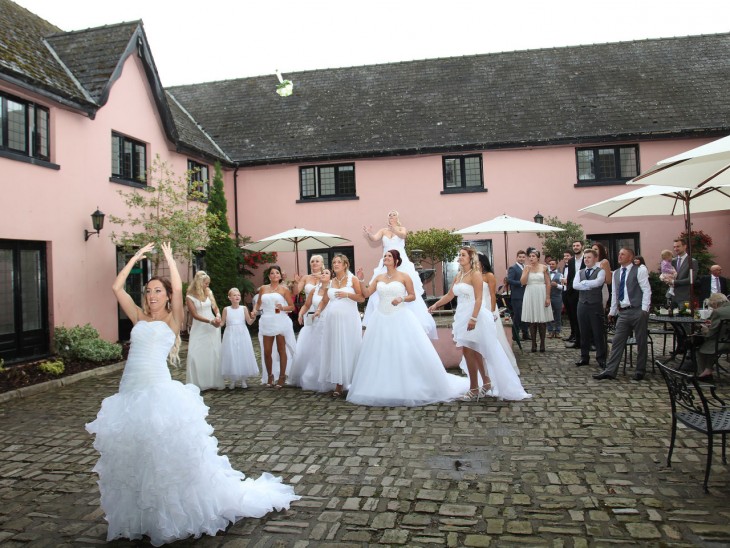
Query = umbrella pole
x=506 y=261
x=296 y=257
x=689 y=254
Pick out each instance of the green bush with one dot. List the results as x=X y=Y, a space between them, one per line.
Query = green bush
x=54 y=368
x=83 y=343
x=98 y=350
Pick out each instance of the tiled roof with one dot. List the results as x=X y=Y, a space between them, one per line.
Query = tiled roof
x=93 y=55
x=659 y=87
x=26 y=59
x=191 y=135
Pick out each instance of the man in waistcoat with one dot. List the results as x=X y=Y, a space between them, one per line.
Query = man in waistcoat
x=517 y=293
x=630 y=303
x=574 y=265
x=556 y=299
x=589 y=285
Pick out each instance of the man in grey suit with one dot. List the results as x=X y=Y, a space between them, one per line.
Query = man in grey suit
x=630 y=302
x=682 y=281
x=589 y=285
x=517 y=293
x=556 y=299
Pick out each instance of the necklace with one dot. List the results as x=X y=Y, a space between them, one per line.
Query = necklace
x=388 y=276
x=465 y=274
x=340 y=280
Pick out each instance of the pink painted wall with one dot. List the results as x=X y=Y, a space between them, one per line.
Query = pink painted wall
x=519 y=183
x=55 y=205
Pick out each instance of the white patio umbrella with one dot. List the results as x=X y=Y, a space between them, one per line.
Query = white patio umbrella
x=506 y=225
x=296 y=239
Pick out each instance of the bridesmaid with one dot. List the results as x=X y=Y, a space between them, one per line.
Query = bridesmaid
x=342 y=332
x=275 y=300
x=536 y=307
x=204 y=346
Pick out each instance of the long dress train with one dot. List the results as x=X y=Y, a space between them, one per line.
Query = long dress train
x=160 y=473
x=398 y=365
x=506 y=384
x=418 y=307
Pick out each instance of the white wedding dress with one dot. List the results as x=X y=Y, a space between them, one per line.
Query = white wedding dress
x=160 y=473
x=418 y=307
x=398 y=365
x=204 y=350
x=506 y=384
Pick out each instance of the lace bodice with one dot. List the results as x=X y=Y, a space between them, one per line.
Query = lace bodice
x=387 y=292
x=147 y=360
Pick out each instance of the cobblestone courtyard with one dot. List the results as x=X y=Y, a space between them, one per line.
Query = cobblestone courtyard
x=581 y=464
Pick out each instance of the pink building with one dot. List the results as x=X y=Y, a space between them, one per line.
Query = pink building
x=447 y=142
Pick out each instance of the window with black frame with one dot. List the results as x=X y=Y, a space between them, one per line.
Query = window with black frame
x=129 y=160
x=463 y=173
x=24 y=128
x=327 y=182
x=198 y=181
x=607 y=165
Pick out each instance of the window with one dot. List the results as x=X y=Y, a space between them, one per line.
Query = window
x=24 y=128
x=614 y=243
x=463 y=173
x=199 y=181
x=327 y=182
x=328 y=254
x=129 y=159
x=607 y=165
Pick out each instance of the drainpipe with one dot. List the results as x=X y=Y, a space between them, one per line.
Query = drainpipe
x=235 y=200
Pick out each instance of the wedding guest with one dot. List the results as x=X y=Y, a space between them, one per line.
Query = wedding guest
x=712 y=283
x=706 y=352
x=685 y=275
x=639 y=260
x=160 y=474
x=536 y=309
x=574 y=265
x=517 y=293
x=589 y=283
x=556 y=299
x=204 y=345
x=238 y=360
x=603 y=262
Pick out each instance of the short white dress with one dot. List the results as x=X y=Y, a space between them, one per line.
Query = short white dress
x=506 y=383
x=238 y=360
x=418 y=307
x=272 y=324
x=204 y=350
x=398 y=365
x=533 y=304
x=160 y=474
x=341 y=338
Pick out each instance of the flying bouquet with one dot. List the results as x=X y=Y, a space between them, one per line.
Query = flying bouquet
x=285 y=87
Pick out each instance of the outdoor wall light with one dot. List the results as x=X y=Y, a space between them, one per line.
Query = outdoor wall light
x=97 y=221
x=539 y=218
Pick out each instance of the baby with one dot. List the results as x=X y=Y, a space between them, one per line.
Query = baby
x=668 y=272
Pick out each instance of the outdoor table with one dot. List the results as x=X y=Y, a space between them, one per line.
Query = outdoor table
x=684 y=327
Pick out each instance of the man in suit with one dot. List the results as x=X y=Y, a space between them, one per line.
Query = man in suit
x=517 y=292
x=682 y=281
x=711 y=283
x=589 y=285
x=630 y=303
x=706 y=354
x=575 y=265
x=556 y=299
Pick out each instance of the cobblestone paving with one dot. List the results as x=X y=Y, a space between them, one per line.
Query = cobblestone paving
x=581 y=464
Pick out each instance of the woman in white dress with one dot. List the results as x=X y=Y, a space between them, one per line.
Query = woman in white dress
x=308 y=282
x=489 y=291
x=398 y=365
x=204 y=346
x=238 y=360
x=309 y=340
x=393 y=236
x=275 y=325
x=342 y=332
x=484 y=355
x=536 y=308
x=160 y=474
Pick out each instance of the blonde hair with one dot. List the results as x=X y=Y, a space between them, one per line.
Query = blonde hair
x=473 y=258
x=344 y=259
x=666 y=254
x=396 y=215
x=321 y=260
x=196 y=288
x=717 y=300
x=231 y=290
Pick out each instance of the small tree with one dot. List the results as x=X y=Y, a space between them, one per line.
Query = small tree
x=438 y=245
x=556 y=243
x=162 y=212
x=701 y=243
x=222 y=255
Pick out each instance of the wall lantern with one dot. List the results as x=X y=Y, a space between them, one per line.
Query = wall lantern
x=539 y=218
x=97 y=221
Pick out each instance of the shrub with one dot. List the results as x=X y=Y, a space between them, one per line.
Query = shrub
x=98 y=350
x=54 y=368
x=83 y=343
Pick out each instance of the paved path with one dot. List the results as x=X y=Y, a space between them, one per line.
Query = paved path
x=581 y=464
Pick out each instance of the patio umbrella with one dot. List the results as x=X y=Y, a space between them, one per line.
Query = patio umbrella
x=296 y=239
x=506 y=224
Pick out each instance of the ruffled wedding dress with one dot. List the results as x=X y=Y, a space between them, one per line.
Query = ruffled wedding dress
x=160 y=474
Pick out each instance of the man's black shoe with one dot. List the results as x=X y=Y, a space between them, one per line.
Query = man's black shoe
x=593 y=348
x=638 y=377
x=572 y=345
x=602 y=365
x=581 y=362
x=603 y=375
